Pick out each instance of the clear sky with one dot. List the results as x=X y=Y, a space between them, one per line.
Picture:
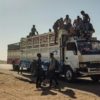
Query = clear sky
x=18 y=16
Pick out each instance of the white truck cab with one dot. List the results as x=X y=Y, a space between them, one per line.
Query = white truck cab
x=81 y=57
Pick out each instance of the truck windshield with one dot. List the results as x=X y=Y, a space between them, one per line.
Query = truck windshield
x=89 y=47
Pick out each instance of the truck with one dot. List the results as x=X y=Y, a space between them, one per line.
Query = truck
x=77 y=57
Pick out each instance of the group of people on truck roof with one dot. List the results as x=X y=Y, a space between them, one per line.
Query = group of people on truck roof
x=81 y=27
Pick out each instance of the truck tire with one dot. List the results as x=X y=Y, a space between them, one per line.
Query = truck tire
x=69 y=75
x=95 y=78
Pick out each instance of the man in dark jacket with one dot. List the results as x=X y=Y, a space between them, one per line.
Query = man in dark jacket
x=86 y=18
x=39 y=71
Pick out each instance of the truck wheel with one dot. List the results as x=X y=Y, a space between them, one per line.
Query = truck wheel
x=95 y=78
x=69 y=75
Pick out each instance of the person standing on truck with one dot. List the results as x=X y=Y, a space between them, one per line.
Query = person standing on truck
x=87 y=26
x=39 y=71
x=86 y=21
x=55 y=27
x=51 y=70
x=67 y=23
x=86 y=17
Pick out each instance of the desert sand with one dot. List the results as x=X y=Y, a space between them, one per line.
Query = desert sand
x=14 y=86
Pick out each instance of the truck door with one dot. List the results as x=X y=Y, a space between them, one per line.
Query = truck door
x=71 y=55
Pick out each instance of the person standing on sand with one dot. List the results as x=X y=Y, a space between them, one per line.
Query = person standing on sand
x=51 y=70
x=39 y=71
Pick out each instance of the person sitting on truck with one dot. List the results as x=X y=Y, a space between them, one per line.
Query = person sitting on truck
x=77 y=26
x=61 y=23
x=33 y=31
x=51 y=70
x=87 y=27
x=89 y=31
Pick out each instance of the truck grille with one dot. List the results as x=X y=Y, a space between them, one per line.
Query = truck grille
x=93 y=69
x=96 y=65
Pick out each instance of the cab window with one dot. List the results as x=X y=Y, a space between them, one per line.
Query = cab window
x=72 y=47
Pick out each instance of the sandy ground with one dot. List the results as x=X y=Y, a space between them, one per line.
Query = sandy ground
x=20 y=87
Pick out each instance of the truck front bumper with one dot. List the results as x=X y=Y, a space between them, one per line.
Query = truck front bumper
x=91 y=71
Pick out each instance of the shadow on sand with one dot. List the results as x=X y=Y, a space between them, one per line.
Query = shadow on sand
x=85 y=85
x=80 y=84
x=47 y=91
